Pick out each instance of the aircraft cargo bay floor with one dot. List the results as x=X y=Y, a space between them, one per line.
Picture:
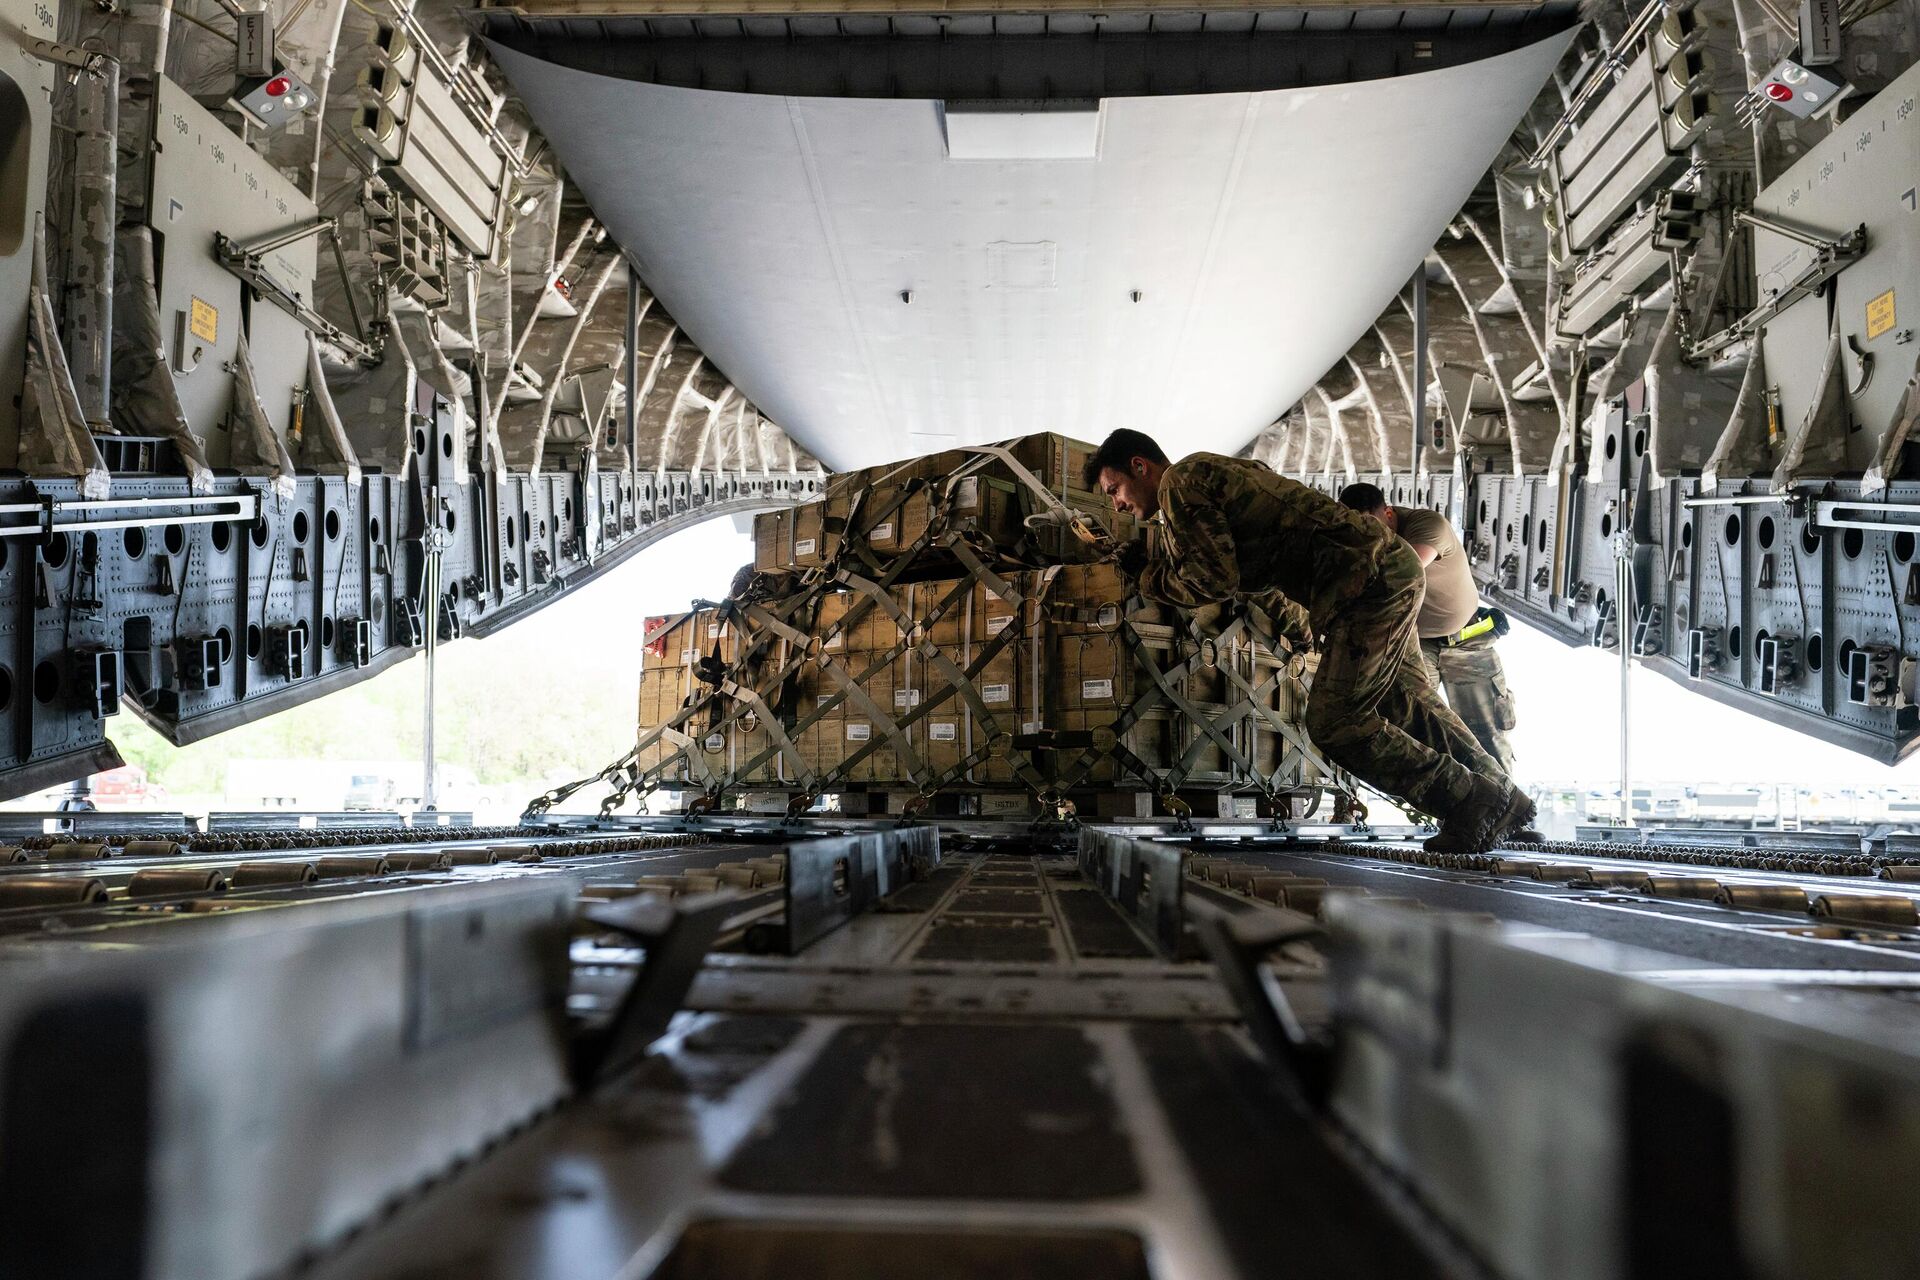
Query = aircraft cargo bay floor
x=742 y=1048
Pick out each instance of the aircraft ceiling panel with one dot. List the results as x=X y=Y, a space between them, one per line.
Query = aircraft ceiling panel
x=878 y=298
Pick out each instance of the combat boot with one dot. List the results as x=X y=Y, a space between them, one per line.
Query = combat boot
x=1483 y=819
x=1461 y=828
x=1453 y=838
x=1515 y=820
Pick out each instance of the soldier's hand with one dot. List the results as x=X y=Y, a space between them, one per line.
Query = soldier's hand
x=1132 y=558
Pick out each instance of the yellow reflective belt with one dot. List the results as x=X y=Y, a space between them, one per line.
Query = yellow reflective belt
x=1478 y=627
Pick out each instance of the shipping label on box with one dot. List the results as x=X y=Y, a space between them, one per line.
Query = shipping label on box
x=1096 y=690
x=858 y=732
x=882 y=532
x=996 y=625
x=992 y=806
x=942 y=731
x=991 y=693
x=804 y=546
x=906 y=699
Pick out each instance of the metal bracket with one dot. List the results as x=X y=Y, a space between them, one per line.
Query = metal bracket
x=675 y=934
x=1605 y=631
x=99 y=669
x=101 y=514
x=1146 y=880
x=1703 y=651
x=1874 y=676
x=1832 y=256
x=1827 y=515
x=68 y=55
x=1778 y=664
x=831 y=881
x=244 y=262
x=410 y=622
x=287 y=650
x=197 y=663
x=1238 y=944
x=1648 y=630
x=356 y=640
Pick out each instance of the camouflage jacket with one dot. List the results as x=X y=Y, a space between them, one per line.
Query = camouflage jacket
x=1232 y=529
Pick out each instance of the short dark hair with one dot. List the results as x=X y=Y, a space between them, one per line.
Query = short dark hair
x=1118 y=451
x=1363 y=497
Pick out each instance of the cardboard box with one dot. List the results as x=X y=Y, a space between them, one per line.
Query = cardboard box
x=895 y=514
x=713 y=744
x=1123 y=804
x=773 y=540
x=749 y=738
x=1210 y=763
x=1012 y=805
x=879 y=764
x=670 y=638
x=944 y=740
x=896 y=503
x=818 y=528
x=823 y=744
x=1268 y=748
x=944 y=611
x=992 y=615
x=663 y=692
x=830 y=624
x=1094 y=673
x=878 y=632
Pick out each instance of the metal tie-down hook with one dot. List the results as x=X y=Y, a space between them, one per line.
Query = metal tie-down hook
x=1863 y=360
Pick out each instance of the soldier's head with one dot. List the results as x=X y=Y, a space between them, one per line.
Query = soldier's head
x=1368 y=500
x=1127 y=468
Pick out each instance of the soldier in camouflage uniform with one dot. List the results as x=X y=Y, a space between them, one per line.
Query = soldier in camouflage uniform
x=1232 y=528
x=1457 y=633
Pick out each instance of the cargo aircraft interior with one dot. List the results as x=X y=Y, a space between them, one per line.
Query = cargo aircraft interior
x=959 y=909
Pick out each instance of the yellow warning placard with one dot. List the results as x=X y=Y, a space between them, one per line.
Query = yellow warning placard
x=204 y=320
x=1880 y=314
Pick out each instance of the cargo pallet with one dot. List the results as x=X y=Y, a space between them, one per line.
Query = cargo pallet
x=951 y=635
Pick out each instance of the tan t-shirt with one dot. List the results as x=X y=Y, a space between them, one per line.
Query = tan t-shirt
x=1452 y=596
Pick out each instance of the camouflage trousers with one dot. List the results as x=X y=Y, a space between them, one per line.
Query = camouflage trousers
x=1373 y=711
x=1471 y=676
